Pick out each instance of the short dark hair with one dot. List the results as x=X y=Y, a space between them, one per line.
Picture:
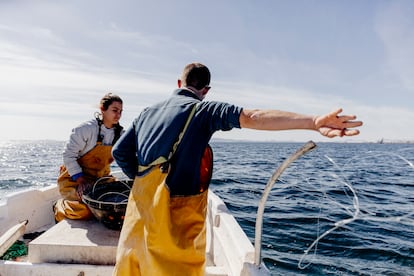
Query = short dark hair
x=108 y=99
x=196 y=75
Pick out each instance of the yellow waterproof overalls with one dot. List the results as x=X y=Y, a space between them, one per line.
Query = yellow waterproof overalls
x=164 y=235
x=95 y=164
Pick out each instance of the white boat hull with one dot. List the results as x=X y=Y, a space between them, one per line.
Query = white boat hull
x=228 y=252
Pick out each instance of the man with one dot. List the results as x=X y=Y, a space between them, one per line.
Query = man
x=166 y=151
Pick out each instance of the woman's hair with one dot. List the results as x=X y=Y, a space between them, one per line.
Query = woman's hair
x=108 y=99
x=196 y=75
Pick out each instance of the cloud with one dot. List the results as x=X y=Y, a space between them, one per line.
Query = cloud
x=395 y=27
x=386 y=122
x=58 y=59
x=56 y=87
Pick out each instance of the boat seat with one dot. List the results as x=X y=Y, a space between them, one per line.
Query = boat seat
x=75 y=241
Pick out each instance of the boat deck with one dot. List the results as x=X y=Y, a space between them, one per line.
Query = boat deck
x=85 y=243
x=73 y=247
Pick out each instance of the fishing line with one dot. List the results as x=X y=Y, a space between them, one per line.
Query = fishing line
x=356 y=212
x=337 y=224
x=378 y=154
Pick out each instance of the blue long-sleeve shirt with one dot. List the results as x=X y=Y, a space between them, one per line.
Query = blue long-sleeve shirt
x=154 y=132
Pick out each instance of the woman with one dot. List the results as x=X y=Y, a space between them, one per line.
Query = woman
x=87 y=157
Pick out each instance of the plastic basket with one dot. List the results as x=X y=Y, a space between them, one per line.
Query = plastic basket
x=108 y=202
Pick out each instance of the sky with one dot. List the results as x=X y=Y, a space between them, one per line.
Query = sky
x=58 y=58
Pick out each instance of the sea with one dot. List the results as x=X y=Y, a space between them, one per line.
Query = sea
x=340 y=209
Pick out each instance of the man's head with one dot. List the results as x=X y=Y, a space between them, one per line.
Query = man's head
x=196 y=75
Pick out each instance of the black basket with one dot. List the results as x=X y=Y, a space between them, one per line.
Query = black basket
x=108 y=202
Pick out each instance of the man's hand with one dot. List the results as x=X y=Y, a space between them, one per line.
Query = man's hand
x=333 y=124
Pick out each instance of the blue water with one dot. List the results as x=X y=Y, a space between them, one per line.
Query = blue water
x=366 y=189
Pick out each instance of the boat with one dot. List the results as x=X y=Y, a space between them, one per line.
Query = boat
x=88 y=247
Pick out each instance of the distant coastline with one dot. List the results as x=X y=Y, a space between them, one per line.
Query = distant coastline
x=379 y=141
x=227 y=140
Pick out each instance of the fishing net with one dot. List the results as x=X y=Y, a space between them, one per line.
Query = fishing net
x=18 y=249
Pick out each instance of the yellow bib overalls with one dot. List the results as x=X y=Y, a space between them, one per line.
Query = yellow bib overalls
x=161 y=234
x=95 y=164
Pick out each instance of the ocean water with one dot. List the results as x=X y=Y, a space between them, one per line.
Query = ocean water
x=341 y=209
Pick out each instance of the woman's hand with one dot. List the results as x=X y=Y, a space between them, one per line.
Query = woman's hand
x=83 y=186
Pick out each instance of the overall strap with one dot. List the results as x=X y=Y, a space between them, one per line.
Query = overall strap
x=100 y=136
x=117 y=131
x=163 y=160
x=181 y=135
